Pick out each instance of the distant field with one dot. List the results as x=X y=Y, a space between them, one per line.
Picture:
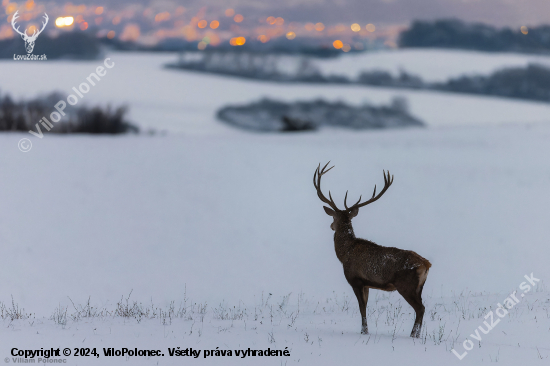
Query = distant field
x=187 y=102
x=430 y=64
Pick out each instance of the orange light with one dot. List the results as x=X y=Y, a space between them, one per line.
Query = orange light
x=240 y=41
x=524 y=30
x=291 y=35
x=270 y=20
x=79 y=19
x=202 y=23
x=319 y=27
x=131 y=32
x=99 y=10
x=229 y=12
x=83 y=26
x=238 y=18
x=263 y=38
x=370 y=27
x=279 y=21
x=233 y=41
x=355 y=27
x=11 y=8
x=29 y=4
x=214 y=24
x=337 y=44
x=162 y=17
x=111 y=34
x=309 y=26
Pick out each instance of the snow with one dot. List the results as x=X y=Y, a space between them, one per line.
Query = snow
x=430 y=64
x=187 y=102
x=210 y=215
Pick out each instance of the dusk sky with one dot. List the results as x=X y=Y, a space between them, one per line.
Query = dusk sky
x=497 y=12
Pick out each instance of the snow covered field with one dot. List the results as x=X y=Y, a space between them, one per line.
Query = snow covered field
x=187 y=102
x=227 y=225
x=430 y=64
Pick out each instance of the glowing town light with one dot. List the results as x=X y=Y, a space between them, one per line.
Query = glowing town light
x=279 y=21
x=337 y=44
x=202 y=24
x=355 y=27
x=214 y=24
x=346 y=48
x=229 y=12
x=263 y=38
x=271 y=20
x=60 y=22
x=68 y=21
x=111 y=34
x=370 y=27
x=202 y=45
x=162 y=17
x=309 y=27
x=99 y=10
x=11 y=8
x=238 y=18
x=83 y=26
x=240 y=41
x=319 y=27
x=291 y=35
x=524 y=30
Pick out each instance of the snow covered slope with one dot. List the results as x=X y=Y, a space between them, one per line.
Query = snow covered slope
x=186 y=102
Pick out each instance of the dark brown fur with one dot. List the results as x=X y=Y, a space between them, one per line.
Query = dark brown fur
x=369 y=265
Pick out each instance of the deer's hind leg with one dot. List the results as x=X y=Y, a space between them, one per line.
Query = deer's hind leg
x=362 y=294
x=411 y=290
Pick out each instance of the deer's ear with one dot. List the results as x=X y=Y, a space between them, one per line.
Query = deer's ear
x=328 y=211
x=353 y=212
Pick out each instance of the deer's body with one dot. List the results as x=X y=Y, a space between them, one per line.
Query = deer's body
x=369 y=265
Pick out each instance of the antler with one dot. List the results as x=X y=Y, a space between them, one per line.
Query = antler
x=15 y=16
x=35 y=34
x=24 y=34
x=387 y=183
x=318 y=174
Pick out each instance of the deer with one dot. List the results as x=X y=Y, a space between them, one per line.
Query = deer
x=368 y=265
x=29 y=40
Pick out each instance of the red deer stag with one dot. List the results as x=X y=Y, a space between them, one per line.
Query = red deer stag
x=369 y=265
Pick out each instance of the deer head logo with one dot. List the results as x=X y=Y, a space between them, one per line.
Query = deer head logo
x=29 y=40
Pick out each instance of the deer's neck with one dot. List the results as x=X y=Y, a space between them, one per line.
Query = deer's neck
x=343 y=240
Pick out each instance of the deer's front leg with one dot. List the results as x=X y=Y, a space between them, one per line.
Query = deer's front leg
x=362 y=294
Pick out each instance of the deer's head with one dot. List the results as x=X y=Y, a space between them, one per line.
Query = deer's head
x=342 y=217
x=29 y=40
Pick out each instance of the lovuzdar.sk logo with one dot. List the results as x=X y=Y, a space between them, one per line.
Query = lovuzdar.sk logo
x=29 y=40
